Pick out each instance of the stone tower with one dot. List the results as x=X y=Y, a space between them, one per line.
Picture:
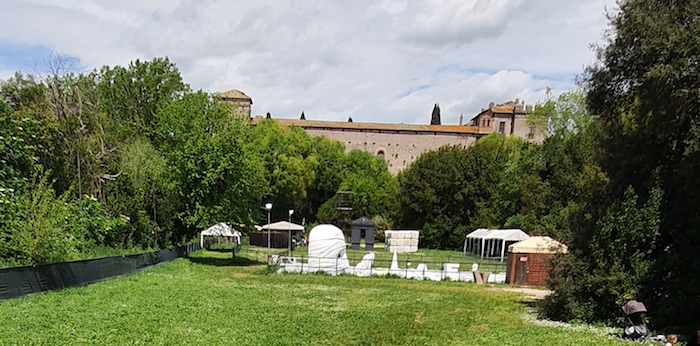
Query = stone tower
x=238 y=99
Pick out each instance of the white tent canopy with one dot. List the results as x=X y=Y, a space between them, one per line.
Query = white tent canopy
x=220 y=230
x=283 y=226
x=538 y=244
x=492 y=243
x=327 y=249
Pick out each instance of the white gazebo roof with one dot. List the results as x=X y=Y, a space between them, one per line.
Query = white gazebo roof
x=479 y=233
x=283 y=226
x=502 y=234
x=491 y=243
x=507 y=234
x=221 y=229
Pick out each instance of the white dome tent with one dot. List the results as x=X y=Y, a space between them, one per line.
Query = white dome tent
x=492 y=243
x=220 y=230
x=327 y=249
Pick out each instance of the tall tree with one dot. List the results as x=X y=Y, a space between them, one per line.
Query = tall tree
x=435 y=117
x=453 y=189
x=644 y=88
x=373 y=190
x=289 y=157
x=330 y=172
x=132 y=95
x=216 y=178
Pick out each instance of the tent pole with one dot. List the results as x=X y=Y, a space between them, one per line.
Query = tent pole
x=482 y=247
x=503 y=250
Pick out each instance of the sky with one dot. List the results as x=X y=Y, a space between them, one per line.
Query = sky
x=383 y=61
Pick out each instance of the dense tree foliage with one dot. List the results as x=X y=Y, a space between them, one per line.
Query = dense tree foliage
x=121 y=157
x=644 y=88
x=290 y=161
x=448 y=191
x=372 y=190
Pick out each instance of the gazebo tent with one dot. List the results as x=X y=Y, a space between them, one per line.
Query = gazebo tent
x=284 y=226
x=327 y=249
x=492 y=243
x=472 y=242
x=220 y=230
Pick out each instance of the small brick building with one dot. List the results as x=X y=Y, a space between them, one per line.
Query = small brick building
x=528 y=260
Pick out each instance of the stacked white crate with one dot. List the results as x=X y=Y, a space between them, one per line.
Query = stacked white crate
x=401 y=241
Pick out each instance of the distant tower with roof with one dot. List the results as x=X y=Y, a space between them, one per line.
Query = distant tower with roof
x=237 y=99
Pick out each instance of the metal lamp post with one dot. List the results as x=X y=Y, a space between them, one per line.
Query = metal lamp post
x=268 y=207
x=289 y=231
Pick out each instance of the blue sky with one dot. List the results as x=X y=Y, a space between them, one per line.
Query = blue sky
x=18 y=56
x=381 y=61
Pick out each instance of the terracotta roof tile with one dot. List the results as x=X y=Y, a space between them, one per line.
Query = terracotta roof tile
x=234 y=94
x=313 y=124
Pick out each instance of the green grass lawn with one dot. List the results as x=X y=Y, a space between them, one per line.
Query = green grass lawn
x=210 y=299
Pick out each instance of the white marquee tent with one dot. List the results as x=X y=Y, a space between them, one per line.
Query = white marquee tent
x=327 y=249
x=492 y=243
x=220 y=230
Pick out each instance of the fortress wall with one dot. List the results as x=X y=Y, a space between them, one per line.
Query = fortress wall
x=400 y=147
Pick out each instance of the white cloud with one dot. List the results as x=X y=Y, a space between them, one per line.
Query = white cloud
x=6 y=74
x=440 y=22
x=384 y=61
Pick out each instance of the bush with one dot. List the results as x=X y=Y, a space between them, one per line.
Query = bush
x=38 y=228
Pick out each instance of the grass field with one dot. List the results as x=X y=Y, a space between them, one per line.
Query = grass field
x=210 y=299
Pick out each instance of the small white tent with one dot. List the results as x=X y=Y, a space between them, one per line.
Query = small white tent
x=220 y=230
x=327 y=249
x=492 y=243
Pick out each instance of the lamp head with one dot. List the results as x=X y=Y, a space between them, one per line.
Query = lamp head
x=268 y=206
x=291 y=211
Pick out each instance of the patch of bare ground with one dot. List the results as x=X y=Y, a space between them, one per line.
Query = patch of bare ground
x=529 y=292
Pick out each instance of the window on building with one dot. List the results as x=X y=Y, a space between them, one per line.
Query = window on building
x=380 y=153
x=531 y=134
x=502 y=127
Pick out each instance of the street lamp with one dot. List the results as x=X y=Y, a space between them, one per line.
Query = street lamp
x=289 y=231
x=268 y=207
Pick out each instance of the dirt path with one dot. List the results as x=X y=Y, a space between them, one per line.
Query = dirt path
x=534 y=293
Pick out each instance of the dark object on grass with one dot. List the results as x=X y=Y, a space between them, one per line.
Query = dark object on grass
x=636 y=327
